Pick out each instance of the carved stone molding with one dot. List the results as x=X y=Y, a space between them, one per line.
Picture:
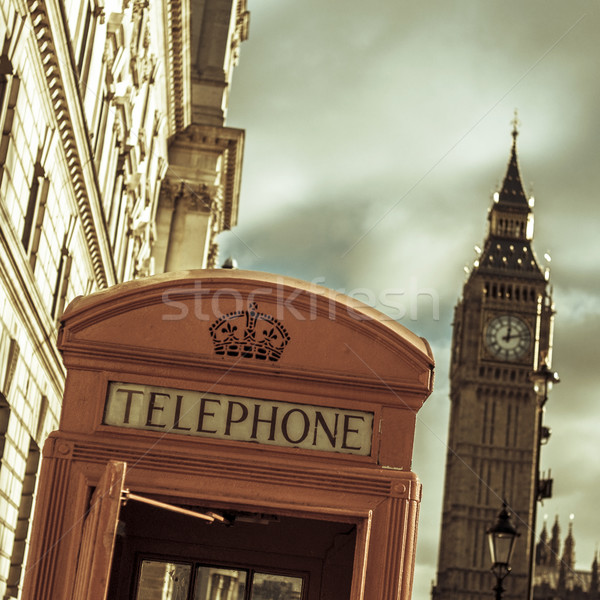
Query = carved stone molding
x=242 y=25
x=166 y=197
x=200 y=197
x=141 y=61
x=46 y=46
x=213 y=255
x=176 y=33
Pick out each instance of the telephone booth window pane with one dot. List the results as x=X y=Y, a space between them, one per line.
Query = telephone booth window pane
x=276 y=587
x=214 y=583
x=160 y=580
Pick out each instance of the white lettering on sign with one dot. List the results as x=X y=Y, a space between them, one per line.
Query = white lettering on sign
x=168 y=410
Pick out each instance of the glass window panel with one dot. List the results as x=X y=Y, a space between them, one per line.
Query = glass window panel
x=214 y=583
x=161 y=580
x=276 y=587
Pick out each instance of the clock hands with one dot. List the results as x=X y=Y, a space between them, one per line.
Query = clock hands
x=510 y=335
x=506 y=338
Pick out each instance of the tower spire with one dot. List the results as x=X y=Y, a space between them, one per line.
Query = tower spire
x=507 y=246
x=515 y=123
x=555 y=543
x=594 y=579
x=568 y=556
x=512 y=192
x=542 y=550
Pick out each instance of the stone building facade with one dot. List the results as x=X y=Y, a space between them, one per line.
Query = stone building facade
x=115 y=163
x=555 y=575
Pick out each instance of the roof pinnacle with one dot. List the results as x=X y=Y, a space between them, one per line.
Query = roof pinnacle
x=515 y=123
x=507 y=245
x=512 y=192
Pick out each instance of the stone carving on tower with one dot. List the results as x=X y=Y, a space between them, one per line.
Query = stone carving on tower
x=502 y=332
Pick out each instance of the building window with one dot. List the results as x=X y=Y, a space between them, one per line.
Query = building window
x=13 y=583
x=100 y=131
x=63 y=273
x=35 y=210
x=85 y=43
x=4 y=418
x=9 y=91
x=11 y=366
x=37 y=221
x=23 y=149
x=6 y=474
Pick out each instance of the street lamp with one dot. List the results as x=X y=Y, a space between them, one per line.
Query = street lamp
x=543 y=379
x=502 y=537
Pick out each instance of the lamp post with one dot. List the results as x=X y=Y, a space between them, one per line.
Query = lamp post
x=501 y=537
x=543 y=379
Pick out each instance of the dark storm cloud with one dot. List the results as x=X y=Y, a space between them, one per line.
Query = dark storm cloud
x=376 y=135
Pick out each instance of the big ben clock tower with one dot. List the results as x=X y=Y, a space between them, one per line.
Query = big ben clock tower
x=502 y=332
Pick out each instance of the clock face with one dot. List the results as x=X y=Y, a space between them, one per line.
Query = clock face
x=507 y=337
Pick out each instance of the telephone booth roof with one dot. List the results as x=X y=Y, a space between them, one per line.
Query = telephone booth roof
x=168 y=318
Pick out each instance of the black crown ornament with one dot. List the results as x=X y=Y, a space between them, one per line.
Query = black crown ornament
x=249 y=334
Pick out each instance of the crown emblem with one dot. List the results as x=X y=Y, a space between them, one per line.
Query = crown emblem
x=249 y=334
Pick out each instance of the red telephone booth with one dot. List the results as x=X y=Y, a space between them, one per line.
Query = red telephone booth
x=230 y=436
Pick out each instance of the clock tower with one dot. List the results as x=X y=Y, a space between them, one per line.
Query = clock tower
x=502 y=331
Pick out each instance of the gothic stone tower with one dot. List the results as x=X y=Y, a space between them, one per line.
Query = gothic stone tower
x=502 y=331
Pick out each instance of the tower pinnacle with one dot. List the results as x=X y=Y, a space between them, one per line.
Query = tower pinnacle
x=512 y=192
x=515 y=123
x=507 y=248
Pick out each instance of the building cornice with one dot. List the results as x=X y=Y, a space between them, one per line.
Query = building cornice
x=177 y=64
x=233 y=176
x=57 y=63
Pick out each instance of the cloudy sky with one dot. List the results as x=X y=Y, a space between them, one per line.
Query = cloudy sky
x=377 y=133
